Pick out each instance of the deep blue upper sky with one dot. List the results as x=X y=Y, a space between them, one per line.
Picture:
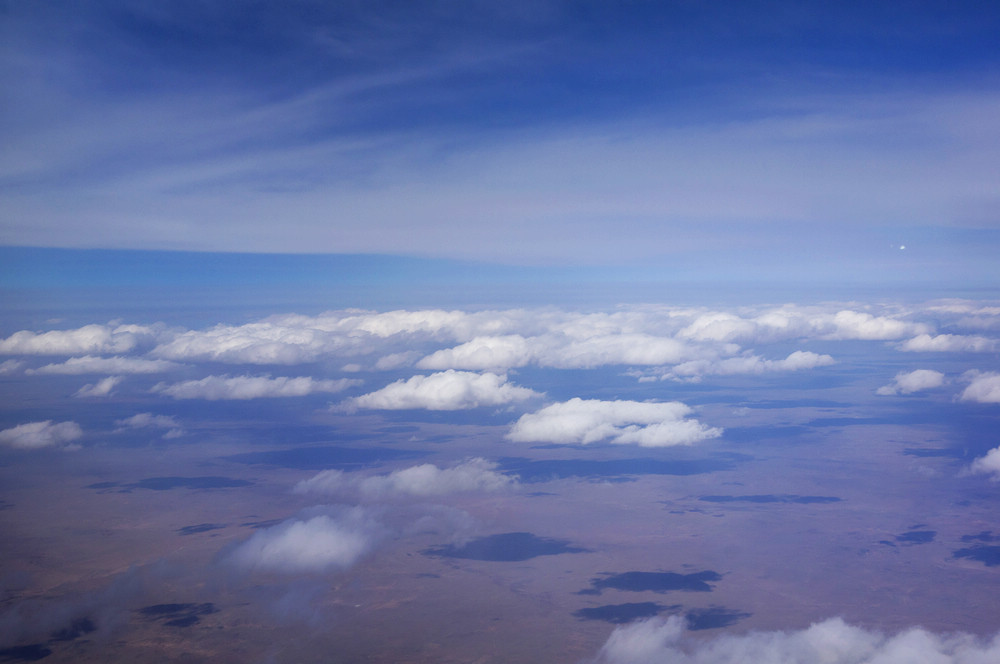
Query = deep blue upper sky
x=783 y=140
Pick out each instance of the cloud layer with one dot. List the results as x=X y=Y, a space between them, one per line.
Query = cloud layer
x=425 y=480
x=663 y=641
x=586 y=421
x=215 y=388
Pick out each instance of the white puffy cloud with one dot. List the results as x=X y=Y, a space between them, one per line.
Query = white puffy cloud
x=107 y=365
x=481 y=353
x=913 y=381
x=147 y=420
x=989 y=464
x=623 y=422
x=102 y=339
x=447 y=390
x=949 y=343
x=35 y=435
x=663 y=641
x=984 y=388
x=101 y=388
x=423 y=480
x=251 y=387
x=312 y=544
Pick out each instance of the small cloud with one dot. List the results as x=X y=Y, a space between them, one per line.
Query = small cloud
x=101 y=388
x=984 y=388
x=621 y=422
x=35 y=435
x=424 y=480
x=147 y=420
x=949 y=343
x=10 y=366
x=319 y=543
x=989 y=464
x=214 y=388
x=447 y=390
x=913 y=381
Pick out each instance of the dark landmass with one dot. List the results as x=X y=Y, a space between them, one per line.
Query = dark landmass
x=988 y=555
x=658 y=582
x=621 y=469
x=76 y=629
x=200 y=528
x=29 y=653
x=506 y=547
x=623 y=613
x=262 y=524
x=178 y=615
x=210 y=482
x=771 y=498
x=917 y=537
x=984 y=536
x=325 y=457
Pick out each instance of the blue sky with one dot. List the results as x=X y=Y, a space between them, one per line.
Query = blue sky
x=732 y=140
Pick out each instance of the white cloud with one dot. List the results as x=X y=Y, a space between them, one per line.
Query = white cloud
x=989 y=464
x=949 y=343
x=750 y=364
x=146 y=420
x=663 y=641
x=10 y=366
x=984 y=388
x=622 y=422
x=447 y=390
x=251 y=387
x=314 y=544
x=424 y=480
x=34 y=435
x=103 y=339
x=481 y=353
x=107 y=365
x=101 y=388
x=913 y=381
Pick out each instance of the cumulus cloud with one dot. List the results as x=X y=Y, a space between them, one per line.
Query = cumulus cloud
x=621 y=422
x=101 y=388
x=424 y=480
x=10 y=366
x=317 y=543
x=109 y=365
x=215 y=388
x=482 y=353
x=984 y=388
x=35 y=435
x=447 y=390
x=149 y=420
x=663 y=641
x=913 y=381
x=949 y=343
x=989 y=464
x=101 y=339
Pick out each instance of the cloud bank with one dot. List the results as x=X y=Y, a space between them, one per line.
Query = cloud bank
x=585 y=421
x=425 y=480
x=36 y=435
x=663 y=641
x=447 y=390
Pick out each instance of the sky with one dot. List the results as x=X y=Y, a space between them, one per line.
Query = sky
x=779 y=140
x=566 y=332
